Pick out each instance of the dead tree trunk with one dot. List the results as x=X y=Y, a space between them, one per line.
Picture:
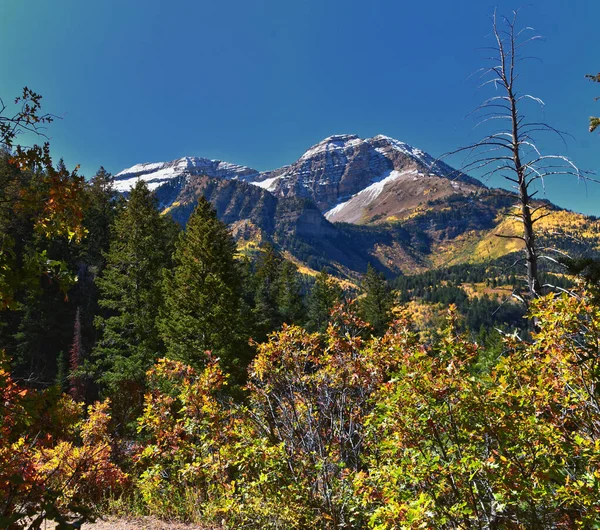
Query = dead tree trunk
x=511 y=150
x=531 y=258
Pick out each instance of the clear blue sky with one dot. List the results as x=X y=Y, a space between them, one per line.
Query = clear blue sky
x=257 y=82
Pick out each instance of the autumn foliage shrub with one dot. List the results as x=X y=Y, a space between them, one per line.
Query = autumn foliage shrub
x=518 y=448
x=310 y=394
x=202 y=458
x=54 y=464
x=338 y=430
x=343 y=430
x=184 y=429
x=284 y=458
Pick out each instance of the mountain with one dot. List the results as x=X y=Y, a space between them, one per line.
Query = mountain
x=349 y=179
x=349 y=201
x=160 y=173
x=361 y=181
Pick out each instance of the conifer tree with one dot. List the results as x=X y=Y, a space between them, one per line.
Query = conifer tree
x=325 y=294
x=99 y=215
x=289 y=294
x=266 y=311
x=102 y=206
x=202 y=295
x=44 y=330
x=129 y=289
x=61 y=379
x=377 y=302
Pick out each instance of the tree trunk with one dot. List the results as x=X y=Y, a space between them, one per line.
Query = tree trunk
x=525 y=200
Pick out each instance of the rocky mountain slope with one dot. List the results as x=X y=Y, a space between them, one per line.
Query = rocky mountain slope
x=349 y=201
x=361 y=181
x=348 y=178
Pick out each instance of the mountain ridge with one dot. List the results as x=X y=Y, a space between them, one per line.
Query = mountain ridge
x=347 y=202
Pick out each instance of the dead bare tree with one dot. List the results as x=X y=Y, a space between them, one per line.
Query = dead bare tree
x=510 y=148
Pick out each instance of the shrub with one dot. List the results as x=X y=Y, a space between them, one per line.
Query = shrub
x=514 y=449
x=44 y=475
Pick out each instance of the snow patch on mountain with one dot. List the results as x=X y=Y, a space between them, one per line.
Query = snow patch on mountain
x=140 y=168
x=153 y=179
x=156 y=174
x=338 y=142
x=352 y=208
x=267 y=184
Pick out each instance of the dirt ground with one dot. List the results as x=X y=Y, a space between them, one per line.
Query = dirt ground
x=143 y=523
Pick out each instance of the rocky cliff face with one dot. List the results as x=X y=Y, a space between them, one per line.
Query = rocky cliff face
x=236 y=200
x=337 y=168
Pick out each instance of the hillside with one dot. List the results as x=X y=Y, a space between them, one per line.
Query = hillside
x=349 y=201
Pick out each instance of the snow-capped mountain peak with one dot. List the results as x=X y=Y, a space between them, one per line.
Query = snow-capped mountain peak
x=337 y=142
x=156 y=174
x=332 y=171
x=345 y=175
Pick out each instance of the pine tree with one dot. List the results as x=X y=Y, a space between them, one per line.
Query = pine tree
x=377 y=302
x=99 y=216
x=202 y=295
x=325 y=294
x=61 y=372
x=102 y=206
x=43 y=332
x=266 y=311
x=289 y=294
x=130 y=296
